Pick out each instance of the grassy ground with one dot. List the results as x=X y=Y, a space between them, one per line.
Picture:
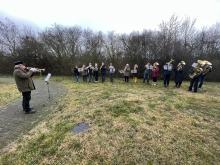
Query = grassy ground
x=8 y=92
x=129 y=124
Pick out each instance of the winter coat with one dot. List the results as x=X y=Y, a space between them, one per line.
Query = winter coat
x=23 y=79
x=127 y=72
x=155 y=72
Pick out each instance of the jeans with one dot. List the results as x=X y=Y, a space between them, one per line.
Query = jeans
x=166 y=80
x=146 y=77
x=111 y=77
x=26 y=101
x=201 y=79
x=103 y=77
x=77 y=78
x=90 y=77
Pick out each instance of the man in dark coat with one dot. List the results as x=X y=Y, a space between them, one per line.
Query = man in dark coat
x=76 y=73
x=24 y=84
x=179 y=73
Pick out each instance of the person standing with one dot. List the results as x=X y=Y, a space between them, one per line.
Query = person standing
x=179 y=74
x=103 y=71
x=90 y=72
x=167 y=71
x=76 y=73
x=111 y=72
x=84 y=73
x=135 y=73
x=147 y=71
x=206 y=69
x=155 y=72
x=195 y=76
x=127 y=71
x=25 y=84
x=96 y=72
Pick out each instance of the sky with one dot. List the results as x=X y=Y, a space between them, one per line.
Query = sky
x=122 y=16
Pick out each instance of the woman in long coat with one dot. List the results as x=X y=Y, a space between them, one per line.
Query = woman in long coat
x=155 y=72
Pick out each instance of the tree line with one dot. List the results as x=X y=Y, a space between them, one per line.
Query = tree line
x=59 y=48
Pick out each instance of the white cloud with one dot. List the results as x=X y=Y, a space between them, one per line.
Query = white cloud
x=106 y=15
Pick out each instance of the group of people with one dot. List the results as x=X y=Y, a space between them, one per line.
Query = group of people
x=23 y=75
x=90 y=73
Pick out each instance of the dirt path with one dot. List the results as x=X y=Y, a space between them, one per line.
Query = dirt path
x=13 y=121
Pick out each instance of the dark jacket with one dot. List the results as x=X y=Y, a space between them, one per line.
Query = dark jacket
x=103 y=70
x=76 y=71
x=23 y=79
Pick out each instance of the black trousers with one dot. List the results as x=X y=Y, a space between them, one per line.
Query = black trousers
x=201 y=79
x=90 y=77
x=166 y=80
x=26 y=101
x=96 y=75
x=154 y=79
x=194 y=84
x=111 y=77
x=84 y=78
x=103 y=77
x=179 y=78
x=126 y=78
x=178 y=84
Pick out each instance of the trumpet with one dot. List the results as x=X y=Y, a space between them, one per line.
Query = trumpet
x=171 y=61
x=38 y=69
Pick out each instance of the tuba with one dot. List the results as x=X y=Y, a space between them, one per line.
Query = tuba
x=197 y=69
x=207 y=67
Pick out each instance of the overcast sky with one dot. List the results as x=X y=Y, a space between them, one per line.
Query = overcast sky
x=107 y=15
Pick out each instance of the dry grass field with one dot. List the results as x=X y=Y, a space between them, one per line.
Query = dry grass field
x=128 y=124
x=8 y=92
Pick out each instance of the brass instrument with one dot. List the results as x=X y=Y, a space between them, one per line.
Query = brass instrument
x=135 y=69
x=125 y=69
x=168 y=66
x=180 y=65
x=155 y=64
x=37 y=69
x=197 y=69
x=121 y=71
x=171 y=61
x=207 y=67
x=196 y=72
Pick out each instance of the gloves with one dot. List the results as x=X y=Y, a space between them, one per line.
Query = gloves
x=33 y=70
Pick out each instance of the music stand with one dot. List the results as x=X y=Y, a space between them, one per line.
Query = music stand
x=47 y=82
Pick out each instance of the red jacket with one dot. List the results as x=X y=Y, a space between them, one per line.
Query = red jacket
x=155 y=72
